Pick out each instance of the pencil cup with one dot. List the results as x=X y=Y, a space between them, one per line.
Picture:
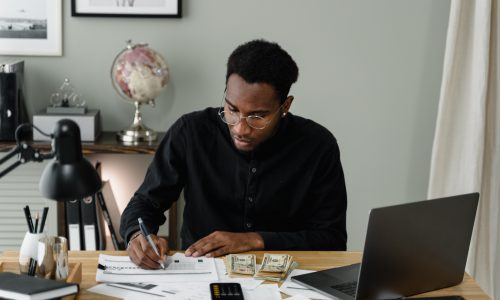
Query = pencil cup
x=60 y=252
x=29 y=249
x=45 y=258
x=53 y=258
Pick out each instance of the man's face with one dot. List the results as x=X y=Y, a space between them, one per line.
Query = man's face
x=257 y=99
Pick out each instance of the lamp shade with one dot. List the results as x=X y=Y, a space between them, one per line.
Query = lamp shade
x=69 y=175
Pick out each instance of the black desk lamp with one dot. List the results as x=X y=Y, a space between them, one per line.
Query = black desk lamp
x=69 y=175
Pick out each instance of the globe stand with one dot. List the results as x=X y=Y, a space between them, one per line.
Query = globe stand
x=137 y=132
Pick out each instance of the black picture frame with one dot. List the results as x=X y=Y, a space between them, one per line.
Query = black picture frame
x=123 y=9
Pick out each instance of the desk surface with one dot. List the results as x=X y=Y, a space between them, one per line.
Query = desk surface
x=313 y=260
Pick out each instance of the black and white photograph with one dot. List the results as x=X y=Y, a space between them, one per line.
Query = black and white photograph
x=30 y=27
x=127 y=8
x=23 y=19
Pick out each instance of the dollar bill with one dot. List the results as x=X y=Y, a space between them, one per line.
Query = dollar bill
x=277 y=263
x=241 y=264
x=276 y=277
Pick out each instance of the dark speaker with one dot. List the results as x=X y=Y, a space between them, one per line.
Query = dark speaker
x=12 y=108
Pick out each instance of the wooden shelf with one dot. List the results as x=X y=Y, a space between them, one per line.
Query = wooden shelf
x=106 y=143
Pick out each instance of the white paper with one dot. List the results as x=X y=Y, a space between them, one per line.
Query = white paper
x=298 y=297
x=179 y=268
x=178 y=291
x=246 y=283
x=291 y=288
x=263 y=292
x=105 y=289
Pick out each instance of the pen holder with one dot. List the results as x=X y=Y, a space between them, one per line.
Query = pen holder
x=29 y=249
x=60 y=252
x=53 y=258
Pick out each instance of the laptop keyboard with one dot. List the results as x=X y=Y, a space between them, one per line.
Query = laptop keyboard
x=348 y=288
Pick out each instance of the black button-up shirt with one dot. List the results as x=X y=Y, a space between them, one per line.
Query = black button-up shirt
x=290 y=190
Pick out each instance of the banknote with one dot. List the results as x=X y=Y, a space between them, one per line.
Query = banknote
x=278 y=263
x=241 y=264
x=276 y=277
x=275 y=267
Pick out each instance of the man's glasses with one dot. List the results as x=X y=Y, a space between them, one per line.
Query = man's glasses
x=234 y=118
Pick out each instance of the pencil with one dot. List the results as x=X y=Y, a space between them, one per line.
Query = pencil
x=26 y=214
x=30 y=221
x=37 y=215
x=44 y=217
x=32 y=267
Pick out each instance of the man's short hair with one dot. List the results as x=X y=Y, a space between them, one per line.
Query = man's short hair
x=260 y=61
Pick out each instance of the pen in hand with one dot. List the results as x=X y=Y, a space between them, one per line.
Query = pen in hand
x=148 y=237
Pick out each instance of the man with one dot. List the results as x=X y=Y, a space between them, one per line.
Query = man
x=254 y=175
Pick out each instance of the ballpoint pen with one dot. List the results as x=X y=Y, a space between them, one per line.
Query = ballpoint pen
x=148 y=237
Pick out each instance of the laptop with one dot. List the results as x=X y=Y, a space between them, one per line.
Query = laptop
x=409 y=249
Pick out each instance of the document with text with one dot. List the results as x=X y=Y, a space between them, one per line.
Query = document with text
x=179 y=268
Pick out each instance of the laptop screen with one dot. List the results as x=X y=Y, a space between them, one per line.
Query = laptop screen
x=409 y=249
x=416 y=247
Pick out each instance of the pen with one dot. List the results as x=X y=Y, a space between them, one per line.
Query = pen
x=30 y=221
x=28 y=218
x=44 y=217
x=146 y=234
x=36 y=223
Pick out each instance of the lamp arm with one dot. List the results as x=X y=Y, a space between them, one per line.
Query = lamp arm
x=26 y=154
x=25 y=151
x=7 y=156
x=11 y=153
x=10 y=168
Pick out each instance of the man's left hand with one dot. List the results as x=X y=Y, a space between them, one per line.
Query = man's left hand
x=222 y=242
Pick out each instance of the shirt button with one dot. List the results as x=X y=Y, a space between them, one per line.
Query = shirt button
x=254 y=170
x=249 y=225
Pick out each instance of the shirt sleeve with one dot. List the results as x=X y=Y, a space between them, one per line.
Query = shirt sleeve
x=162 y=185
x=325 y=222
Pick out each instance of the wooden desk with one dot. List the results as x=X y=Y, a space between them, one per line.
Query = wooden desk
x=313 y=260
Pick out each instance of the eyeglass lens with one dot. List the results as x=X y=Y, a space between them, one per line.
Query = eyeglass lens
x=232 y=118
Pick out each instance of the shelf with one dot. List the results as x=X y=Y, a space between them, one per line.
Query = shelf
x=106 y=143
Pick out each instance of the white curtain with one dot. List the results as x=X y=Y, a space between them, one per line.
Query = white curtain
x=466 y=151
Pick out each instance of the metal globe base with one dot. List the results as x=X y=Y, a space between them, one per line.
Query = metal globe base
x=137 y=132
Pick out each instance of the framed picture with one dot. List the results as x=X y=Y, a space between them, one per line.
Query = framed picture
x=31 y=27
x=127 y=8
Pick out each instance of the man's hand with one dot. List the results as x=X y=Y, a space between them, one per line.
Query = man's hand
x=143 y=255
x=221 y=242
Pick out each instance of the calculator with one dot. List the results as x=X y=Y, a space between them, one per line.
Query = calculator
x=226 y=291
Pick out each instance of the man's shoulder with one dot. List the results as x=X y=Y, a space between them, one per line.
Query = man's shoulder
x=197 y=120
x=311 y=130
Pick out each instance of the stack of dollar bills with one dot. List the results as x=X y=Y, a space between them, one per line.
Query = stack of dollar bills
x=274 y=267
x=240 y=265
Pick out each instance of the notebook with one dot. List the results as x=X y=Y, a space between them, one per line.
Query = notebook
x=19 y=286
x=409 y=249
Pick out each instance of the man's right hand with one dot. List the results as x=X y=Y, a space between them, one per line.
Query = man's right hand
x=143 y=255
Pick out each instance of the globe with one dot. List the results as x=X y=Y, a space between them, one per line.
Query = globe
x=139 y=74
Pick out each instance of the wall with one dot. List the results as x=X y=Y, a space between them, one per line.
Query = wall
x=370 y=71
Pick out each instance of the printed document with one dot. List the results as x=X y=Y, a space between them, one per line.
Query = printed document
x=179 y=268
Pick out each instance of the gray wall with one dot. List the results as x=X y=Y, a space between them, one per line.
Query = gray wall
x=370 y=71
